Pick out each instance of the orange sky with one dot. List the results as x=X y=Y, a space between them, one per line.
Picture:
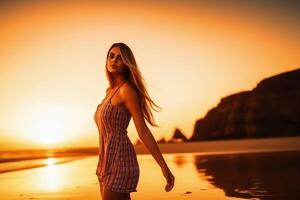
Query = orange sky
x=52 y=58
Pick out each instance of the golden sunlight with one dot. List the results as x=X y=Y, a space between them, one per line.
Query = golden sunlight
x=47 y=123
x=53 y=174
x=59 y=64
x=50 y=161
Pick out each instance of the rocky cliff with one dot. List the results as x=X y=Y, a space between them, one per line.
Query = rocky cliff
x=178 y=136
x=272 y=108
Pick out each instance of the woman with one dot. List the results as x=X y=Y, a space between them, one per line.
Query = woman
x=126 y=97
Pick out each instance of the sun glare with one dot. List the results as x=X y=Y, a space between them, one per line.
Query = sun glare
x=47 y=130
x=46 y=123
x=50 y=161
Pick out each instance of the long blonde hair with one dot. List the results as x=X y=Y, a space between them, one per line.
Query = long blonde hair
x=133 y=75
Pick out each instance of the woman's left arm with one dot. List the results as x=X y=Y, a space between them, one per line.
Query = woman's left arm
x=131 y=101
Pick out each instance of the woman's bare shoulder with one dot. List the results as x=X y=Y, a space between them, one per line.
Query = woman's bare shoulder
x=129 y=92
x=128 y=87
x=130 y=98
x=107 y=90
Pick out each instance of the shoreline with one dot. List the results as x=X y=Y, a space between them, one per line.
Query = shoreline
x=230 y=146
x=219 y=147
x=34 y=163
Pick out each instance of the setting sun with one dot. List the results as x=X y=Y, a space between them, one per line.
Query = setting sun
x=46 y=124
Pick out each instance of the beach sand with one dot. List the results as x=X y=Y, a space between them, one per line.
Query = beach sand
x=76 y=179
x=229 y=146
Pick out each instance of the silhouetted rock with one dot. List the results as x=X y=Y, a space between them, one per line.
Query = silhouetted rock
x=270 y=109
x=162 y=140
x=178 y=136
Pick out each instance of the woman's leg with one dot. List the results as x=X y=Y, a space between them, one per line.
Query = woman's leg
x=110 y=195
x=101 y=189
x=101 y=186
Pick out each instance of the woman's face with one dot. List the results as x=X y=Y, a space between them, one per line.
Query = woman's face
x=115 y=63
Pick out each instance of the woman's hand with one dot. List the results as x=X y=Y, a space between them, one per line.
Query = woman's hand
x=169 y=177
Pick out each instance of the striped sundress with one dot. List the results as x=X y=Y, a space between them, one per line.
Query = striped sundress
x=117 y=168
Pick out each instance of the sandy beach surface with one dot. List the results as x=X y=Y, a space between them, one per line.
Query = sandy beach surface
x=199 y=173
x=76 y=180
x=229 y=146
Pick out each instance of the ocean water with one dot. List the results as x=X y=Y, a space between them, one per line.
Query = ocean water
x=256 y=176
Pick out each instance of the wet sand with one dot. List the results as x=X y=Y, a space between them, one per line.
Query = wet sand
x=214 y=170
x=76 y=180
x=255 y=176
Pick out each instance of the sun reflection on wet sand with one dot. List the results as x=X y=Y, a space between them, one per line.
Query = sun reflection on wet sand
x=50 y=161
x=50 y=178
x=230 y=177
